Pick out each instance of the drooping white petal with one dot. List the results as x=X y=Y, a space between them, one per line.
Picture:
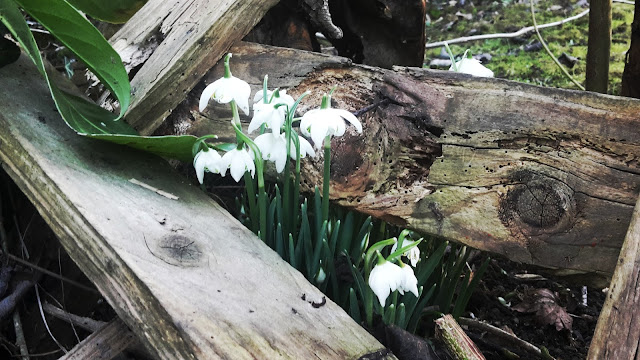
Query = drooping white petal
x=273 y=148
x=206 y=161
x=408 y=281
x=352 y=119
x=224 y=90
x=383 y=279
x=238 y=162
x=319 y=123
x=305 y=148
x=472 y=67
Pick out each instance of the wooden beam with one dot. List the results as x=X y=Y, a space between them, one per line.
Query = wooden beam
x=540 y=175
x=173 y=43
x=617 y=334
x=186 y=277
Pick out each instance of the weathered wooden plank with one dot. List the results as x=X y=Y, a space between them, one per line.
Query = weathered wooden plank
x=617 y=334
x=541 y=175
x=104 y=344
x=188 y=279
x=174 y=43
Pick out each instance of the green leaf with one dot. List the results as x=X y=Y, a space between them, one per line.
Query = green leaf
x=83 y=39
x=113 y=11
x=176 y=147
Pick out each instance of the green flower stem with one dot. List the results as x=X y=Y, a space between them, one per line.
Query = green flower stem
x=227 y=69
x=262 y=195
x=289 y=209
x=296 y=184
x=326 y=178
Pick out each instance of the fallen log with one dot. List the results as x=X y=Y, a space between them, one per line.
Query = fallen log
x=543 y=176
x=186 y=277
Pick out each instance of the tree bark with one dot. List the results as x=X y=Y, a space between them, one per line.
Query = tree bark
x=599 y=46
x=617 y=334
x=631 y=74
x=540 y=175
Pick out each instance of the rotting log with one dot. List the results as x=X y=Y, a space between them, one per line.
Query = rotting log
x=617 y=334
x=186 y=277
x=541 y=175
x=104 y=344
x=172 y=43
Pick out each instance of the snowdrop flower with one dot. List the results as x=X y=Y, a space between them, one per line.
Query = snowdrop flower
x=226 y=89
x=323 y=122
x=473 y=67
x=412 y=254
x=270 y=113
x=206 y=160
x=407 y=281
x=274 y=148
x=238 y=162
x=385 y=278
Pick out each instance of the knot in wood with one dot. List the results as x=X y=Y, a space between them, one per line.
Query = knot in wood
x=177 y=250
x=540 y=205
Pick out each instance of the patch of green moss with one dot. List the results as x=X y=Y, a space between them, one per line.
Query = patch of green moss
x=509 y=60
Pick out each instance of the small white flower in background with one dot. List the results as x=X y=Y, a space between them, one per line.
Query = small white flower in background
x=206 y=160
x=473 y=67
x=385 y=278
x=320 y=123
x=274 y=148
x=412 y=254
x=283 y=98
x=238 y=162
x=408 y=281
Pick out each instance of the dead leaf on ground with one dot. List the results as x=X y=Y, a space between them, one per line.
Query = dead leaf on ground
x=544 y=303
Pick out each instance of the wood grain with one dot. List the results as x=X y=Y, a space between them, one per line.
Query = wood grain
x=171 y=44
x=104 y=344
x=187 y=278
x=540 y=175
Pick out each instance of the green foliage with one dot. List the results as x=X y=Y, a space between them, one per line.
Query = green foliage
x=511 y=62
x=85 y=41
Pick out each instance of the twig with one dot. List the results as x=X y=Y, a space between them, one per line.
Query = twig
x=80 y=321
x=505 y=336
x=520 y=32
x=20 y=340
x=50 y=273
x=544 y=44
x=458 y=344
x=9 y=302
x=156 y=190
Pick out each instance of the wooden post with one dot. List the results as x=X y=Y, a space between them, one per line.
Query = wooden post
x=599 y=46
x=540 y=175
x=186 y=277
x=617 y=334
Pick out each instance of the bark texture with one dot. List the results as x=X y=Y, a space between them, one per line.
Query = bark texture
x=631 y=74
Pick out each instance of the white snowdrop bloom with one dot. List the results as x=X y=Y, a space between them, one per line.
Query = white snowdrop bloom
x=274 y=148
x=473 y=67
x=206 y=160
x=238 y=162
x=384 y=279
x=320 y=123
x=224 y=90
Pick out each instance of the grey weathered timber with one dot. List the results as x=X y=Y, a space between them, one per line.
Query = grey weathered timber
x=173 y=43
x=186 y=277
x=617 y=334
x=104 y=344
x=541 y=175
